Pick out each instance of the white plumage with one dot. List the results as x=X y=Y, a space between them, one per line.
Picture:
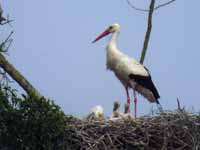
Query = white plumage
x=96 y=113
x=130 y=72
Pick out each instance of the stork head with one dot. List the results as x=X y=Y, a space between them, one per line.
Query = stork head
x=111 y=29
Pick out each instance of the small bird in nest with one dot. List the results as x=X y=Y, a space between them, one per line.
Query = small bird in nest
x=96 y=113
x=116 y=114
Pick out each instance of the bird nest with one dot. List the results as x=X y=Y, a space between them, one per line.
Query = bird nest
x=178 y=130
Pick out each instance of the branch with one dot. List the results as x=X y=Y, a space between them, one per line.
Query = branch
x=178 y=104
x=136 y=8
x=1 y=15
x=164 y=4
x=147 y=10
x=9 y=68
x=4 y=46
x=4 y=20
x=18 y=77
x=148 y=32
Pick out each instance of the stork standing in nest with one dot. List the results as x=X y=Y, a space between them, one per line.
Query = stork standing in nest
x=130 y=72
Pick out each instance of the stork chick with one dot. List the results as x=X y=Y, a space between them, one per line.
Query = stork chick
x=116 y=112
x=96 y=113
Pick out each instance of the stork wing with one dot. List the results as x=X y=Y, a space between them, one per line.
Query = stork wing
x=127 y=66
x=147 y=83
x=129 y=69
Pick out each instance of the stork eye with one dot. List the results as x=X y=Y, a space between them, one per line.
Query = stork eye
x=111 y=27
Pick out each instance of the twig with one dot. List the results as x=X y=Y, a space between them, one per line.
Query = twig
x=168 y=130
x=1 y=15
x=4 y=78
x=97 y=141
x=178 y=104
x=7 y=41
x=4 y=20
x=136 y=8
x=164 y=4
x=148 y=32
x=146 y=10
x=7 y=21
x=10 y=69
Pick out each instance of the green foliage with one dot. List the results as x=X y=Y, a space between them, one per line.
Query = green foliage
x=30 y=122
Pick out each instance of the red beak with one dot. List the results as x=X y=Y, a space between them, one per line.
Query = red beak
x=106 y=32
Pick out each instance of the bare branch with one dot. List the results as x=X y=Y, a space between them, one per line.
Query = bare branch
x=178 y=104
x=4 y=46
x=148 y=32
x=4 y=20
x=18 y=77
x=136 y=8
x=147 y=10
x=1 y=15
x=10 y=69
x=1 y=10
x=164 y=4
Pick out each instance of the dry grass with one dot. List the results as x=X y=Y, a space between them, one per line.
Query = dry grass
x=177 y=130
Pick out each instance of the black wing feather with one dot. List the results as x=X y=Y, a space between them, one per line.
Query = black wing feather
x=146 y=82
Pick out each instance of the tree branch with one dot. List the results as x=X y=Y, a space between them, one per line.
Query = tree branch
x=178 y=104
x=150 y=11
x=164 y=4
x=4 y=46
x=9 y=68
x=1 y=15
x=147 y=10
x=136 y=8
x=3 y=20
x=18 y=77
x=148 y=32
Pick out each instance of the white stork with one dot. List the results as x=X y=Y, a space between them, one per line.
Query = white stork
x=130 y=72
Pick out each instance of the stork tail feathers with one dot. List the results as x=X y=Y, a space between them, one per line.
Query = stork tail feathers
x=146 y=93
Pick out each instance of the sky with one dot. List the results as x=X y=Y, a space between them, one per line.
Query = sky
x=52 y=49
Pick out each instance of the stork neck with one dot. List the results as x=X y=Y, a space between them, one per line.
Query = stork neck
x=112 y=51
x=114 y=38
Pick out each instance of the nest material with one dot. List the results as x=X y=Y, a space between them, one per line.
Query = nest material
x=167 y=131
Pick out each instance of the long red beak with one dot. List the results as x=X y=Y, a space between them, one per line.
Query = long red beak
x=106 y=32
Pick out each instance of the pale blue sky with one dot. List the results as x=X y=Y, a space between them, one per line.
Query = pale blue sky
x=52 y=48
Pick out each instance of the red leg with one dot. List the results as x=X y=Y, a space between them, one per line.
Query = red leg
x=135 y=103
x=128 y=97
